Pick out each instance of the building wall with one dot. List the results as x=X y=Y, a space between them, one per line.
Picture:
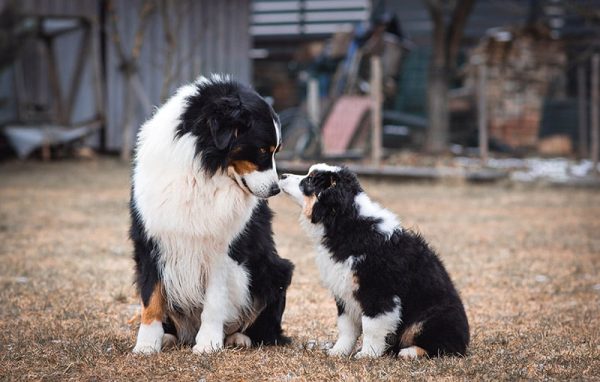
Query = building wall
x=209 y=36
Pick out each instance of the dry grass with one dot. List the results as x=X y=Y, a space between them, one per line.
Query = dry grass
x=525 y=260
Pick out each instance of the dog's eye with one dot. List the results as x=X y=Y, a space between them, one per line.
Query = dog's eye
x=263 y=150
x=312 y=174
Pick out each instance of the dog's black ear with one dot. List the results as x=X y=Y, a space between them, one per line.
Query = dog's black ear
x=222 y=135
x=228 y=109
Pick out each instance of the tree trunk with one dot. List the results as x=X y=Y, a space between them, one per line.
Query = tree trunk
x=437 y=110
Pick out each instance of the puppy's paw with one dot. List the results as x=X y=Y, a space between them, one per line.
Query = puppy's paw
x=412 y=352
x=366 y=353
x=238 y=340
x=339 y=350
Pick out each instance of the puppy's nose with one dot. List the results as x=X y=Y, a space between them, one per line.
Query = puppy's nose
x=283 y=176
x=274 y=190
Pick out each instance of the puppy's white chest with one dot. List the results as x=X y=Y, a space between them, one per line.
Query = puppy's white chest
x=339 y=278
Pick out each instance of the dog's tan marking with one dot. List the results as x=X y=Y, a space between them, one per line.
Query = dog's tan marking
x=242 y=167
x=409 y=334
x=155 y=310
x=136 y=318
x=355 y=282
x=272 y=149
x=309 y=203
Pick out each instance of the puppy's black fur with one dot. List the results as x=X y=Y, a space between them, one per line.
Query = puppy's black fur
x=402 y=265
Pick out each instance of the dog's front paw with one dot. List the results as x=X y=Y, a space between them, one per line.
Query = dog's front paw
x=149 y=340
x=238 y=340
x=208 y=344
x=146 y=348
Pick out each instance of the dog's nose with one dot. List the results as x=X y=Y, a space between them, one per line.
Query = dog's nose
x=283 y=176
x=274 y=190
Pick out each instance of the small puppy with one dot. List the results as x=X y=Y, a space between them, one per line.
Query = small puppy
x=386 y=280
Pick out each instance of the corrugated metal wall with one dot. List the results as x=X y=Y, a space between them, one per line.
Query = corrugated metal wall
x=210 y=36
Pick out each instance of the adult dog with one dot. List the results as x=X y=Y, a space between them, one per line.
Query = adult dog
x=207 y=269
x=386 y=280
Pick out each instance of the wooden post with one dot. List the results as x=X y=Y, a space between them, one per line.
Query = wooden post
x=312 y=97
x=482 y=112
x=595 y=110
x=582 y=111
x=376 y=115
x=313 y=108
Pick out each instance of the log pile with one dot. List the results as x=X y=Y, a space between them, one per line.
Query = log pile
x=523 y=64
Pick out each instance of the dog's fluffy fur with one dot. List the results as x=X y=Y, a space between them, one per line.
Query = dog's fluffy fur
x=206 y=266
x=386 y=280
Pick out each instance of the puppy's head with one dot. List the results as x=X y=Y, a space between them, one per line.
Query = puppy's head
x=237 y=131
x=322 y=193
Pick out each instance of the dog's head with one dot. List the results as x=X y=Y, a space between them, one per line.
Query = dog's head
x=324 y=192
x=238 y=133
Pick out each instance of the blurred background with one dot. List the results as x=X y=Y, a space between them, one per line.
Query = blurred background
x=478 y=88
x=476 y=121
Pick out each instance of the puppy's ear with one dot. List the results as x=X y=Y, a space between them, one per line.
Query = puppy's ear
x=319 y=212
x=222 y=135
x=324 y=205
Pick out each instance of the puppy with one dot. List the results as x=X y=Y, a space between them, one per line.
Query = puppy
x=207 y=269
x=386 y=280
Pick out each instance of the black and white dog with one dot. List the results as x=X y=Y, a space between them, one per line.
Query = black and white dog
x=206 y=266
x=385 y=279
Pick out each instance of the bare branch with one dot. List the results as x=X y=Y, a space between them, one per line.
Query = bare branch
x=461 y=13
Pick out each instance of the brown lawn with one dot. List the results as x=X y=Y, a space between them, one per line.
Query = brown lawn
x=526 y=261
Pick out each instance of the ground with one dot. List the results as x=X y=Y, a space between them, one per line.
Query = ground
x=526 y=261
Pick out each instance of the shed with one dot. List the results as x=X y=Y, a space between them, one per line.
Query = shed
x=182 y=39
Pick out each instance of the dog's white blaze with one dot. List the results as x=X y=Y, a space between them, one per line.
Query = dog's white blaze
x=213 y=78
x=375 y=329
x=149 y=339
x=172 y=195
x=368 y=208
x=323 y=167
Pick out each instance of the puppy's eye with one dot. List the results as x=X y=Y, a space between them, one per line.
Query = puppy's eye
x=263 y=150
x=312 y=174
